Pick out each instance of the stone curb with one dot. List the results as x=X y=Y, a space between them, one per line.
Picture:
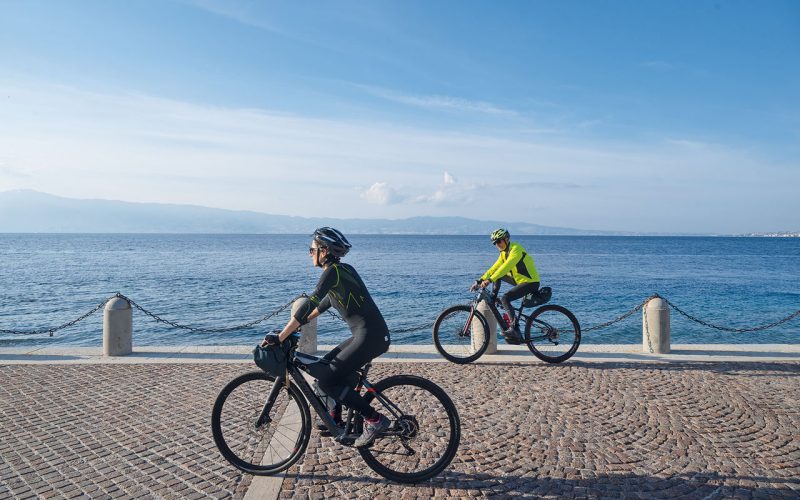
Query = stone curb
x=405 y=353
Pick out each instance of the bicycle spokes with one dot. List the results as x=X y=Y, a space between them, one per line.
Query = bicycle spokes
x=264 y=417
x=552 y=333
x=258 y=436
x=460 y=334
x=422 y=438
x=548 y=333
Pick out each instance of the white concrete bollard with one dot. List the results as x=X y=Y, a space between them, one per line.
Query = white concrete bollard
x=655 y=320
x=308 y=334
x=117 y=328
x=483 y=308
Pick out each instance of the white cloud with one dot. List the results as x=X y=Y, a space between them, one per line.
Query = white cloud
x=380 y=194
x=137 y=147
x=450 y=192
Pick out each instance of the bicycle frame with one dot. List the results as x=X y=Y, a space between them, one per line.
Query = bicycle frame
x=485 y=296
x=346 y=435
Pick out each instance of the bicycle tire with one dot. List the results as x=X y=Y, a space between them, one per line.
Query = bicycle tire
x=427 y=410
x=462 y=351
x=557 y=323
x=247 y=446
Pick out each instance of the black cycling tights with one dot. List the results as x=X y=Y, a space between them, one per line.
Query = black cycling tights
x=337 y=379
x=515 y=293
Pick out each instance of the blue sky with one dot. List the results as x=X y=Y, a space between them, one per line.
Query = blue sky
x=639 y=116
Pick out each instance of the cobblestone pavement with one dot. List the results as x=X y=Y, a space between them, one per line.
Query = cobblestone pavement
x=649 y=430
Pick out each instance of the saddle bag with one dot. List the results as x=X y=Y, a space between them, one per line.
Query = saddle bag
x=541 y=296
x=273 y=359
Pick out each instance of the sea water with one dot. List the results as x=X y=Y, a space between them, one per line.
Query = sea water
x=218 y=281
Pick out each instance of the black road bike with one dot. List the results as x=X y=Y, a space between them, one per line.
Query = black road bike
x=552 y=333
x=262 y=424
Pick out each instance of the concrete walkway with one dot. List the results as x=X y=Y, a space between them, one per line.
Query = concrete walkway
x=714 y=421
x=407 y=353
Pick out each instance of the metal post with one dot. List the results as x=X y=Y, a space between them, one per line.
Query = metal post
x=483 y=308
x=117 y=328
x=655 y=326
x=308 y=335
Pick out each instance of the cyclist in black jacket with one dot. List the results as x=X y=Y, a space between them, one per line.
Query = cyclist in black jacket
x=341 y=286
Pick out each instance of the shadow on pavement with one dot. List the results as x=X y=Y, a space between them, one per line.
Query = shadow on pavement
x=784 y=367
x=697 y=485
x=38 y=357
x=190 y=355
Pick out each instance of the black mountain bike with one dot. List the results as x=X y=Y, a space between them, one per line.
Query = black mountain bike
x=552 y=333
x=261 y=424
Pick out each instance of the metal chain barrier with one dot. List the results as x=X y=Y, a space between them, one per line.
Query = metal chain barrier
x=622 y=317
x=51 y=331
x=208 y=330
x=250 y=324
x=647 y=323
x=733 y=330
x=409 y=329
x=688 y=316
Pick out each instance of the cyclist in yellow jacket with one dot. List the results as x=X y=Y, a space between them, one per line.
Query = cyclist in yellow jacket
x=514 y=266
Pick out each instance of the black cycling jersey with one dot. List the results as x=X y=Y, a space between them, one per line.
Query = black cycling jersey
x=341 y=286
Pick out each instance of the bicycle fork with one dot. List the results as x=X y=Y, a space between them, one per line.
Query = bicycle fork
x=264 y=418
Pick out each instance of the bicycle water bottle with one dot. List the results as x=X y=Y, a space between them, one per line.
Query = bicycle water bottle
x=507 y=319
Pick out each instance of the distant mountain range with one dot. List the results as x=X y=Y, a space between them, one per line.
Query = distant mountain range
x=26 y=211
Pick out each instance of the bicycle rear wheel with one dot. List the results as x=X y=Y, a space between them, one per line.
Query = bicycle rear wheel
x=253 y=441
x=552 y=333
x=424 y=434
x=460 y=334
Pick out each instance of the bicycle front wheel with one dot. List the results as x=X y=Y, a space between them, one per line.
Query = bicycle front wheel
x=255 y=441
x=460 y=334
x=552 y=333
x=424 y=434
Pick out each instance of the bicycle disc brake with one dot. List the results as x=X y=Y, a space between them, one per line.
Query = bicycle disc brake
x=407 y=426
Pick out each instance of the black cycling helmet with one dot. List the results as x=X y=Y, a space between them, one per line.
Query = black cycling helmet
x=499 y=234
x=333 y=240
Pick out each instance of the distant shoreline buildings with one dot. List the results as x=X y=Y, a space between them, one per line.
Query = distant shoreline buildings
x=779 y=234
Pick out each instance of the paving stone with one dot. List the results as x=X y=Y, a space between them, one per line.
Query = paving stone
x=596 y=430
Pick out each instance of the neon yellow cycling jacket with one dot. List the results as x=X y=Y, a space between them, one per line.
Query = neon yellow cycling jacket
x=514 y=260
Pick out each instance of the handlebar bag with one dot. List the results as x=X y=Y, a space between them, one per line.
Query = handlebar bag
x=273 y=359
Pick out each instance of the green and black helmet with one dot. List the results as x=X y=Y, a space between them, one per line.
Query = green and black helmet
x=499 y=234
